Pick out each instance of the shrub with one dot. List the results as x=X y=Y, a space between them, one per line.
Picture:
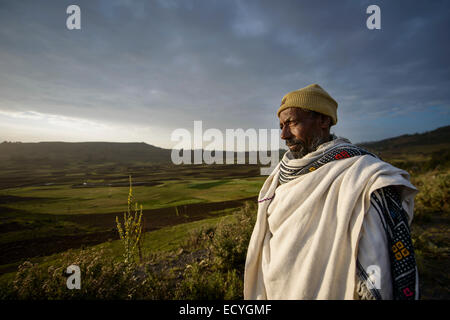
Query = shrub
x=434 y=193
x=230 y=242
x=101 y=278
x=219 y=274
x=199 y=238
x=205 y=282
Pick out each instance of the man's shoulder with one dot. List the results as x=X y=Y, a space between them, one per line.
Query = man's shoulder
x=348 y=150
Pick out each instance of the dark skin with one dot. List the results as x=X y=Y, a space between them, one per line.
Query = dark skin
x=303 y=131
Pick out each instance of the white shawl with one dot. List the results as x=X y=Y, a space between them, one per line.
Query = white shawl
x=305 y=241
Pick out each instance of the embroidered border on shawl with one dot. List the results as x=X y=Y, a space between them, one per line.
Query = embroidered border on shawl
x=288 y=173
x=387 y=203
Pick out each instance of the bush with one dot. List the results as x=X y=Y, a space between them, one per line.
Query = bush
x=205 y=282
x=199 y=238
x=434 y=194
x=218 y=275
x=230 y=242
x=101 y=278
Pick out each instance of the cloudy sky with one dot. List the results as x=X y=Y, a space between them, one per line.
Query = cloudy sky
x=137 y=70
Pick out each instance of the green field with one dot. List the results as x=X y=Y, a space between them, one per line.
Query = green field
x=52 y=213
x=66 y=200
x=41 y=219
x=159 y=241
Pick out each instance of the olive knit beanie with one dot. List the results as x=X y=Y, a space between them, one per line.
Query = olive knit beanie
x=312 y=97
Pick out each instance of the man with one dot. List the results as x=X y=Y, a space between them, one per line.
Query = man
x=333 y=219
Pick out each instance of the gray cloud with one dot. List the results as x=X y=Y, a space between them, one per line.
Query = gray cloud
x=228 y=63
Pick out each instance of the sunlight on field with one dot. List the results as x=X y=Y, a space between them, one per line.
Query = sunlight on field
x=61 y=200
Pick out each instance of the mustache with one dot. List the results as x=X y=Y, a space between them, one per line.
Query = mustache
x=293 y=141
x=304 y=147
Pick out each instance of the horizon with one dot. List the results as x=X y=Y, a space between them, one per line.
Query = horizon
x=137 y=71
x=282 y=147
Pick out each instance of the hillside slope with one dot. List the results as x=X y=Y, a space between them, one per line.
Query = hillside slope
x=419 y=143
x=87 y=152
x=100 y=152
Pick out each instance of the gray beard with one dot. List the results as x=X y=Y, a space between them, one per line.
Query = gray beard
x=304 y=150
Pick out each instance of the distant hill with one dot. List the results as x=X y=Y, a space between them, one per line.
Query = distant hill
x=61 y=153
x=419 y=143
x=88 y=152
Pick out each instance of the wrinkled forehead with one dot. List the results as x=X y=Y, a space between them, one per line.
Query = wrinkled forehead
x=290 y=114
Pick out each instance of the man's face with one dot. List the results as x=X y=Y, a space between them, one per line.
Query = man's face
x=302 y=131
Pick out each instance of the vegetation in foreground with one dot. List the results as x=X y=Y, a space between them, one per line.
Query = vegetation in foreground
x=208 y=265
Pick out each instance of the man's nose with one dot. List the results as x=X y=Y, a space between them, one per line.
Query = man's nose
x=285 y=133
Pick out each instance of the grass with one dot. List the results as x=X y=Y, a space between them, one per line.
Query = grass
x=64 y=200
x=173 y=274
x=44 y=227
x=160 y=275
x=207 y=185
x=200 y=259
x=39 y=211
x=35 y=214
x=434 y=194
x=159 y=241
